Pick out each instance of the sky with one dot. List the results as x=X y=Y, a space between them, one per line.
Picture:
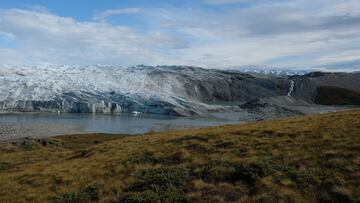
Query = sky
x=296 y=34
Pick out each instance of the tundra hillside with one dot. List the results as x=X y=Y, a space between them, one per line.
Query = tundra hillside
x=298 y=159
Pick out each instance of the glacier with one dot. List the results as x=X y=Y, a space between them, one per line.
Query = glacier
x=96 y=88
x=168 y=90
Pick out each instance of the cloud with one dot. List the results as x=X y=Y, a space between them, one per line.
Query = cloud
x=297 y=33
x=10 y=56
x=343 y=58
x=343 y=66
x=44 y=37
x=6 y=35
x=103 y=15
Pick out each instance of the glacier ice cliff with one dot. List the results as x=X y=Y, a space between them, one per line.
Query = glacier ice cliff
x=170 y=90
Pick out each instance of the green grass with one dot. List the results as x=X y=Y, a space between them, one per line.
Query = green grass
x=300 y=159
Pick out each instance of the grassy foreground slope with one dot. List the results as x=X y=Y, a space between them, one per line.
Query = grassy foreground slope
x=300 y=159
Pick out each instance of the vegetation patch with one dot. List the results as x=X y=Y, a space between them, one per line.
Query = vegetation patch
x=160 y=179
x=88 y=194
x=82 y=154
x=201 y=138
x=165 y=184
x=4 y=166
x=169 y=195
x=29 y=144
x=278 y=170
x=143 y=158
x=148 y=157
x=224 y=145
x=173 y=159
x=199 y=148
x=216 y=171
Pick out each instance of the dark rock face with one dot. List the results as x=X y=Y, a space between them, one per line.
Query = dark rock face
x=307 y=93
x=329 y=95
x=215 y=86
x=306 y=86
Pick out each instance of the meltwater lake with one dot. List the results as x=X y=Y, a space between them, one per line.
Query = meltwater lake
x=18 y=125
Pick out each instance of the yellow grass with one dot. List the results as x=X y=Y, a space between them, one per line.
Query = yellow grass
x=300 y=159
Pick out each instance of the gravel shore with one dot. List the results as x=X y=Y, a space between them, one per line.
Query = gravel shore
x=16 y=131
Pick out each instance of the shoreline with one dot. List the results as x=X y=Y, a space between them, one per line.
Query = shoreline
x=10 y=132
x=14 y=132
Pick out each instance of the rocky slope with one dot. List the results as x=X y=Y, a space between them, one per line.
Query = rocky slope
x=310 y=93
x=307 y=86
x=170 y=90
x=329 y=95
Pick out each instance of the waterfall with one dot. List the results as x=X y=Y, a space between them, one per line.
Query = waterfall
x=291 y=89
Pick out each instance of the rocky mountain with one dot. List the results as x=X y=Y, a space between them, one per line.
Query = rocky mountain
x=170 y=90
x=269 y=70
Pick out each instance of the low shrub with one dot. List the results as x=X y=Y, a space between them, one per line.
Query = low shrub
x=4 y=166
x=165 y=184
x=90 y=193
x=149 y=158
x=171 y=195
x=143 y=158
x=216 y=171
x=140 y=197
x=198 y=148
x=224 y=145
x=160 y=179
x=219 y=171
x=201 y=138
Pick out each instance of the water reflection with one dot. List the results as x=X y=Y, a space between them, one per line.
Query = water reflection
x=121 y=123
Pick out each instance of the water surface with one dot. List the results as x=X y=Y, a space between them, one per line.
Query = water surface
x=115 y=123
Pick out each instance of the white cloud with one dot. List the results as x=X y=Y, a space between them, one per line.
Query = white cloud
x=103 y=15
x=6 y=35
x=44 y=37
x=281 y=34
x=340 y=58
x=299 y=33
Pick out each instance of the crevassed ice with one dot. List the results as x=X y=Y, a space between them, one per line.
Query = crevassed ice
x=44 y=82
